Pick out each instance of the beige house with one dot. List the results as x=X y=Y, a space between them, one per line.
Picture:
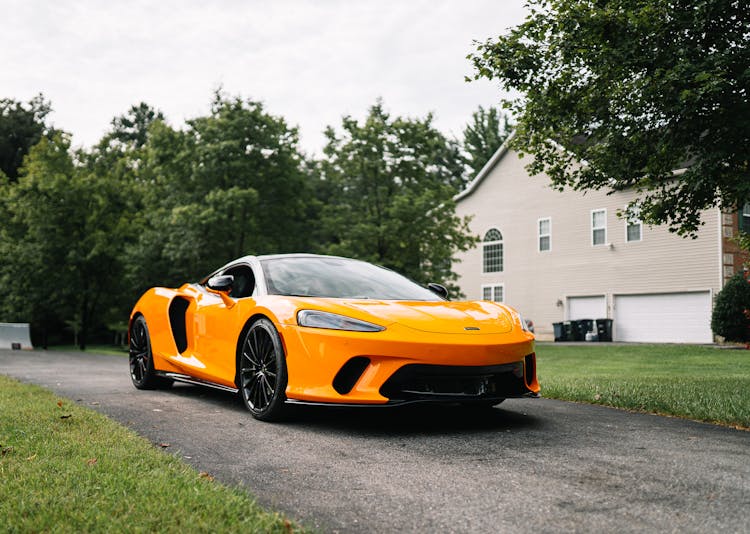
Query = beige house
x=558 y=256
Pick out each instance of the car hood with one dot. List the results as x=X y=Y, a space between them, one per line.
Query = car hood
x=478 y=317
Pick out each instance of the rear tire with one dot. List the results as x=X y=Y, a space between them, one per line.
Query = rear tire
x=142 y=371
x=262 y=373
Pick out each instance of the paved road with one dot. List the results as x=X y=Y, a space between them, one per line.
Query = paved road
x=531 y=465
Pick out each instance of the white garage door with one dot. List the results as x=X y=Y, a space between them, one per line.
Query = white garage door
x=664 y=318
x=587 y=307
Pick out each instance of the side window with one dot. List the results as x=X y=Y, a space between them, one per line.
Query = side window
x=745 y=218
x=494 y=292
x=244 y=281
x=544 y=231
x=492 y=251
x=634 y=228
x=599 y=227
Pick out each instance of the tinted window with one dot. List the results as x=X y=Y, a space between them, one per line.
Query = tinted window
x=339 y=278
x=244 y=281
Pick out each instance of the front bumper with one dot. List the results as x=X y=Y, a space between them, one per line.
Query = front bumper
x=402 y=365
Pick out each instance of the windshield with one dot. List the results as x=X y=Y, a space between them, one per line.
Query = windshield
x=339 y=278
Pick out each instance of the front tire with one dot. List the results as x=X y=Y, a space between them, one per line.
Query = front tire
x=262 y=372
x=142 y=371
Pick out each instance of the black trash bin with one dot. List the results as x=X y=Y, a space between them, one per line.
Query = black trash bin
x=575 y=331
x=604 y=329
x=560 y=334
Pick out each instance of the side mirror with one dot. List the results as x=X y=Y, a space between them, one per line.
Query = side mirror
x=221 y=283
x=438 y=289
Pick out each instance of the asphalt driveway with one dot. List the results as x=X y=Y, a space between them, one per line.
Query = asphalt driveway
x=528 y=465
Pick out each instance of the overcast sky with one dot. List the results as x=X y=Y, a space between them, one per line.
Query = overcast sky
x=311 y=62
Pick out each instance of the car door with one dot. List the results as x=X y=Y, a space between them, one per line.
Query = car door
x=217 y=324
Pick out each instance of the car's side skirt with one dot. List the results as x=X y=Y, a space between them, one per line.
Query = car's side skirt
x=177 y=377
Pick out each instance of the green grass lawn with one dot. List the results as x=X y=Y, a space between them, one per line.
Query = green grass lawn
x=65 y=468
x=94 y=349
x=697 y=382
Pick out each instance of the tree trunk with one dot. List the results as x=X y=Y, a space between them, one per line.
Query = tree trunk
x=84 y=325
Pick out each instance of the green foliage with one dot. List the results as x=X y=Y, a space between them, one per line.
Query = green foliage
x=731 y=316
x=230 y=184
x=62 y=239
x=636 y=89
x=386 y=188
x=487 y=131
x=131 y=129
x=85 y=232
x=697 y=382
x=68 y=469
x=743 y=241
x=21 y=127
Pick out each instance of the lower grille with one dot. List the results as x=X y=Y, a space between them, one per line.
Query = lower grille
x=444 y=382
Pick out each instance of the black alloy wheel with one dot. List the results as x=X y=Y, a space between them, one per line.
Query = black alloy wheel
x=262 y=371
x=142 y=371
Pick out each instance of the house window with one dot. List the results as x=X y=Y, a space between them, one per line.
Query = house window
x=492 y=251
x=599 y=227
x=544 y=230
x=633 y=226
x=494 y=293
x=745 y=218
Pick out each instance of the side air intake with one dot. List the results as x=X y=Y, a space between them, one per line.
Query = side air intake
x=177 y=309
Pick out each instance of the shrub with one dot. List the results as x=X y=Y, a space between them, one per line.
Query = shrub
x=731 y=316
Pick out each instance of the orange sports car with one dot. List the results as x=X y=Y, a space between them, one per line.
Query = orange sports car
x=301 y=328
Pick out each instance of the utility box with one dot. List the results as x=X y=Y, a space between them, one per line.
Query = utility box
x=15 y=336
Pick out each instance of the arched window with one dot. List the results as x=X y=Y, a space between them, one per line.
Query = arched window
x=492 y=251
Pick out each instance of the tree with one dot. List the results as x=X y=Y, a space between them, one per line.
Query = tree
x=120 y=151
x=116 y=160
x=621 y=94
x=388 y=187
x=230 y=184
x=131 y=129
x=30 y=288
x=483 y=136
x=731 y=316
x=742 y=240
x=21 y=127
x=62 y=240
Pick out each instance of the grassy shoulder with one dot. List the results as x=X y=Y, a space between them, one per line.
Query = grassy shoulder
x=65 y=468
x=111 y=350
x=695 y=382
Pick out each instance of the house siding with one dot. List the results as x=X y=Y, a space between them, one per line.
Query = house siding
x=539 y=283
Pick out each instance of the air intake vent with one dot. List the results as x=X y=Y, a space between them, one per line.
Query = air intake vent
x=529 y=374
x=177 y=309
x=349 y=374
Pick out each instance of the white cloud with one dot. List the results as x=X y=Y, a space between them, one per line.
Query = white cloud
x=309 y=61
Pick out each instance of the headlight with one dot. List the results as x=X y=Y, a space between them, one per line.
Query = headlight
x=333 y=321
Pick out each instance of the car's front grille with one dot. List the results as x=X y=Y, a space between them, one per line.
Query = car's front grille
x=448 y=382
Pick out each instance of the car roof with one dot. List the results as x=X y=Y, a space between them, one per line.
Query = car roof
x=291 y=255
